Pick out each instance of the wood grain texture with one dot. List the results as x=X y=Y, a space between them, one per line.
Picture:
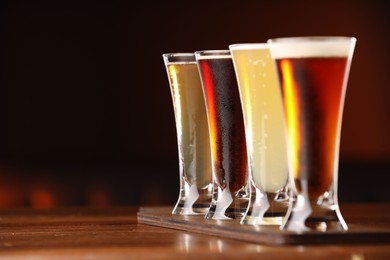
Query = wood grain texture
x=114 y=233
x=358 y=232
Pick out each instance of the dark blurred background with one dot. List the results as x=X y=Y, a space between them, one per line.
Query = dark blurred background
x=85 y=109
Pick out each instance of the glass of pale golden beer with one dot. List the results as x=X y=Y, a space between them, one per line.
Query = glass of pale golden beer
x=313 y=74
x=227 y=135
x=192 y=134
x=265 y=133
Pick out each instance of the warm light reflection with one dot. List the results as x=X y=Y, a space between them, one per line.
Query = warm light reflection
x=291 y=103
x=217 y=245
x=211 y=110
x=12 y=190
x=10 y=197
x=246 y=100
x=41 y=198
x=97 y=196
x=175 y=94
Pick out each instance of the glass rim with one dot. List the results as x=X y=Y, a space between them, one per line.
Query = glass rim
x=178 y=54
x=312 y=46
x=179 y=57
x=212 y=54
x=297 y=39
x=249 y=46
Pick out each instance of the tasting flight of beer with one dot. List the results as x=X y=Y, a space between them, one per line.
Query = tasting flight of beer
x=258 y=131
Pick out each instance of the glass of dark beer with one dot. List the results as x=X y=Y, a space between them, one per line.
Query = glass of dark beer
x=227 y=135
x=313 y=74
x=192 y=134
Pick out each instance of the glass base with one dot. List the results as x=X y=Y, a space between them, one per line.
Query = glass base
x=318 y=215
x=193 y=201
x=226 y=205
x=266 y=208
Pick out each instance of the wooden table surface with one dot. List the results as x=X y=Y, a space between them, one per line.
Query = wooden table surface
x=113 y=233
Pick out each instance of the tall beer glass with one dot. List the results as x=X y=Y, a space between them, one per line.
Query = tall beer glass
x=313 y=74
x=265 y=133
x=227 y=135
x=192 y=134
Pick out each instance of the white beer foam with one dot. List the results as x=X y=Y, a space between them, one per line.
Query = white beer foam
x=313 y=47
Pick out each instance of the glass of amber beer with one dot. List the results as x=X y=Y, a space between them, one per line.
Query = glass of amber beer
x=265 y=133
x=313 y=74
x=227 y=135
x=192 y=134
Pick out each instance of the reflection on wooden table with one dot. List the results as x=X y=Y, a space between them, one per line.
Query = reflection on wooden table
x=113 y=233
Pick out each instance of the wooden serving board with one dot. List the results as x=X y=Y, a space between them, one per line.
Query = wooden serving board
x=272 y=235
